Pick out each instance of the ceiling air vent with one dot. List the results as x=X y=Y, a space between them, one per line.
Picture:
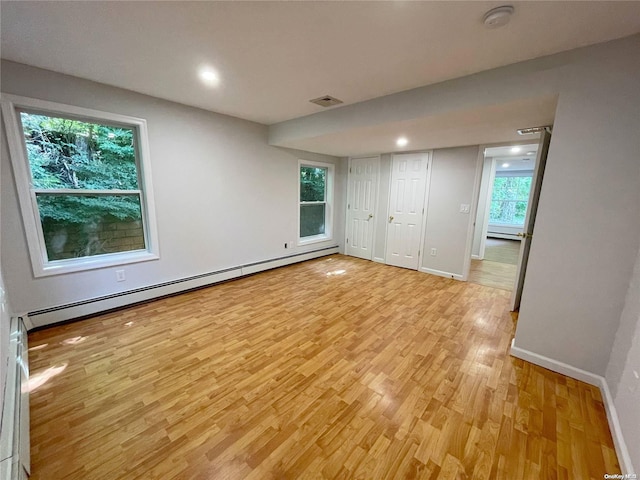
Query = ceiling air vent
x=326 y=101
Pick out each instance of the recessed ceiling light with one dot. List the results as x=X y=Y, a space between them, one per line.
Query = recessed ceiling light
x=402 y=142
x=531 y=153
x=515 y=149
x=505 y=165
x=497 y=17
x=209 y=77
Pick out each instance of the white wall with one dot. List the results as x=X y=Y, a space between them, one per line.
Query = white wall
x=223 y=196
x=480 y=228
x=624 y=365
x=453 y=178
x=587 y=229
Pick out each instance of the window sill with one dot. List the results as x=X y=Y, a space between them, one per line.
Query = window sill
x=315 y=239
x=59 y=267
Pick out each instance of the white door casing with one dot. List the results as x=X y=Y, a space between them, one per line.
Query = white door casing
x=361 y=203
x=406 y=209
x=530 y=218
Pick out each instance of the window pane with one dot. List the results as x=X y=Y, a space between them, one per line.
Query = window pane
x=65 y=153
x=84 y=226
x=313 y=183
x=509 y=200
x=312 y=219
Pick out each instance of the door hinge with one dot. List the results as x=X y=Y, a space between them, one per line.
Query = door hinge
x=348 y=206
x=418 y=252
x=347 y=241
x=423 y=210
x=349 y=169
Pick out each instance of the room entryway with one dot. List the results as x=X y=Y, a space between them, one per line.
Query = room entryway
x=498 y=269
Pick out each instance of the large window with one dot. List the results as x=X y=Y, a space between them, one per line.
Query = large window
x=83 y=188
x=509 y=199
x=316 y=192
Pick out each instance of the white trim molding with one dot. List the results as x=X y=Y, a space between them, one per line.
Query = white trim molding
x=441 y=273
x=592 y=379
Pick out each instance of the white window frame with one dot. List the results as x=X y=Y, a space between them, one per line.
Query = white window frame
x=328 y=212
x=27 y=194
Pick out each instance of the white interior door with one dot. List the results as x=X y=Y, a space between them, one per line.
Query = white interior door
x=363 y=183
x=530 y=218
x=406 y=209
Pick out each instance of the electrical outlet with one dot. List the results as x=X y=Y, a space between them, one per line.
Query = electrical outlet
x=465 y=208
x=434 y=252
x=120 y=276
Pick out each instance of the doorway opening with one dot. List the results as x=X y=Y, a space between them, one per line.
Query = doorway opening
x=507 y=177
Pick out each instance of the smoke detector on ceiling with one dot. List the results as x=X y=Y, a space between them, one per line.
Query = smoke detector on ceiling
x=326 y=101
x=498 y=17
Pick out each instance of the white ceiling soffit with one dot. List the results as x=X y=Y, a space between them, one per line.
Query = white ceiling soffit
x=273 y=57
x=482 y=125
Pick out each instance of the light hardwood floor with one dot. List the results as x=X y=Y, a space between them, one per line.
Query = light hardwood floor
x=500 y=264
x=334 y=368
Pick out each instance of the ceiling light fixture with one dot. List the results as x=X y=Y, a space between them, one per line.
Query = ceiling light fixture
x=505 y=165
x=498 y=17
x=402 y=142
x=515 y=149
x=531 y=153
x=209 y=77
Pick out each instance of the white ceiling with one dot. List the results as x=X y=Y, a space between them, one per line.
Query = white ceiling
x=516 y=161
x=273 y=57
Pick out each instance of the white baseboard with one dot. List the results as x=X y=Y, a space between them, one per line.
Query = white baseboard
x=62 y=313
x=477 y=257
x=440 y=273
x=592 y=379
x=378 y=259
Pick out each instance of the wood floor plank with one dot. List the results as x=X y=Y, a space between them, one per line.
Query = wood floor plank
x=333 y=368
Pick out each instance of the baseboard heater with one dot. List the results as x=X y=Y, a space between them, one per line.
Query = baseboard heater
x=83 y=308
x=15 y=461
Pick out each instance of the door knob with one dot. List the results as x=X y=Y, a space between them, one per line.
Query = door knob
x=390 y=218
x=370 y=216
x=520 y=234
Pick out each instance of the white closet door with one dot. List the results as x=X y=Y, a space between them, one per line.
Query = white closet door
x=406 y=209
x=363 y=182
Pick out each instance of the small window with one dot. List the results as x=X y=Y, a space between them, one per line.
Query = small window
x=509 y=200
x=84 y=185
x=316 y=192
